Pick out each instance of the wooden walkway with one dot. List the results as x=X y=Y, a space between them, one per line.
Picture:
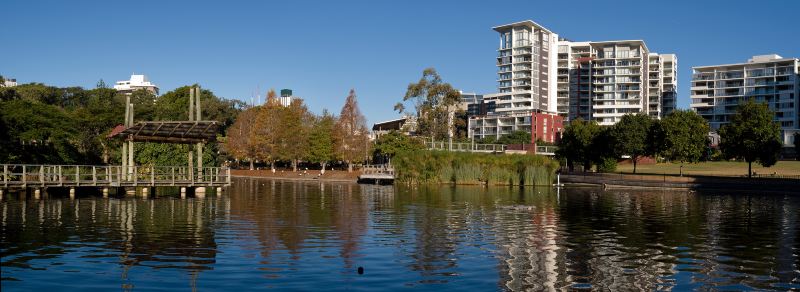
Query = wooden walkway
x=377 y=173
x=21 y=176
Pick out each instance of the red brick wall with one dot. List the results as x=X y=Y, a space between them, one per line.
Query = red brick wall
x=553 y=124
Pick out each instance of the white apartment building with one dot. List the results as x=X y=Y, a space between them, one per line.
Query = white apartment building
x=9 y=83
x=526 y=80
x=525 y=68
x=603 y=81
x=135 y=83
x=662 y=84
x=717 y=90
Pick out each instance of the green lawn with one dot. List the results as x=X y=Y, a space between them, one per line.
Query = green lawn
x=721 y=168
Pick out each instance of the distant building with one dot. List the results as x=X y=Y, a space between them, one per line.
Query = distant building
x=717 y=91
x=405 y=125
x=135 y=83
x=546 y=127
x=9 y=83
x=467 y=99
x=286 y=97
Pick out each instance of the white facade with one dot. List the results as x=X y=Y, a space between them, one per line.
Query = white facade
x=9 y=83
x=717 y=90
x=526 y=73
x=602 y=81
x=135 y=83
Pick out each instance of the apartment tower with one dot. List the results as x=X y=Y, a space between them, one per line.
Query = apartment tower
x=717 y=90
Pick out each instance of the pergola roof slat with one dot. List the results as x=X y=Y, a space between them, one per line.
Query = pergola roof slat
x=181 y=132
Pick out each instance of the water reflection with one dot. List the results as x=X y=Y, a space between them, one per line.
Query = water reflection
x=312 y=235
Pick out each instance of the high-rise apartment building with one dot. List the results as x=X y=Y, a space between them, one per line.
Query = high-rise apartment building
x=717 y=90
x=526 y=73
x=603 y=81
x=540 y=73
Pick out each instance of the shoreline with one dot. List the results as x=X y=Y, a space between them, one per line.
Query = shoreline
x=296 y=178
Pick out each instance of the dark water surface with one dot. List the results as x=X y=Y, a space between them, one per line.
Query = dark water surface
x=264 y=234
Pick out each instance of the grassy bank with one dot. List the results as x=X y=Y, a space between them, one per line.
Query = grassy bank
x=713 y=168
x=473 y=168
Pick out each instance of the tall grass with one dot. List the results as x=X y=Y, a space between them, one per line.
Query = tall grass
x=421 y=167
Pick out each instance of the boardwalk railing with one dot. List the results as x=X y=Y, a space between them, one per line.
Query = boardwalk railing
x=31 y=175
x=465 y=147
x=378 y=169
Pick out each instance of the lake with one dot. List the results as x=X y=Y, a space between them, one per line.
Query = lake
x=268 y=234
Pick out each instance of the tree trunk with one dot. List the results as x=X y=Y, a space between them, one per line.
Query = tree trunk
x=634 y=164
x=272 y=166
x=294 y=165
x=251 y=165
x=323 y=167
x=349 y=167
x=750 y=169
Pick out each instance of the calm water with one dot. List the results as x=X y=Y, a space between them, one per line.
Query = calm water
x=266 y=234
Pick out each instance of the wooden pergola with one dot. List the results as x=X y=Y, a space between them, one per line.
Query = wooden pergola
x=195 y=131
x=176 y=132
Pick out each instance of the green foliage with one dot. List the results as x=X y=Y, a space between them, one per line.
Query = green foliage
x=516 y=137
x=417 y=167
x=607 y=164
x=432 y=99
x=797 y=145
x=576 y=142
x=47 y=124
x=752 y=135
x=394 y=142
x=629 y=136
x=321 y=139
x=681 y=136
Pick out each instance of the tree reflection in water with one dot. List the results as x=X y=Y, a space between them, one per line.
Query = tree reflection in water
x=311 y=235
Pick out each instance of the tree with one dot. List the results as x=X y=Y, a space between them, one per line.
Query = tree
x=681 y=136
x=394 y=142
x=630 y=136
x=603 y=151
x=752 y=135
x=321 y=141
x=351 y=132
x=267 y=131
x=516 y=137
x=576 y=141
x=434 y=102
x=101 y=84
x=295 y=122
x=240 y=142
x=797 y=145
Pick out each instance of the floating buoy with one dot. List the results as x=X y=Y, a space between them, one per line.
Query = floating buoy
x=360 y=270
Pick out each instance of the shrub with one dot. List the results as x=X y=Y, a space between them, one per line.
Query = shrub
x=607 y=164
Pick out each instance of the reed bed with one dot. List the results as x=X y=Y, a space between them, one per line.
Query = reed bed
x=463 y=168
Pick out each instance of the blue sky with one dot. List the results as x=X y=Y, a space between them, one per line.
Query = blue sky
x=321 y=49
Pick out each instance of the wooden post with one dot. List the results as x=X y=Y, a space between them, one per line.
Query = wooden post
x=94 y=175
x=152 y=176
x=172 y=169
x=24 y=183
x=5 y=176
x=77 y=175
x=60 y=177
x=124 y=156
x=41 y=175
x=108 y=175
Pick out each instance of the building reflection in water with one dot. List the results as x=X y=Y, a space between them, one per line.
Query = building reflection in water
x=278 y=233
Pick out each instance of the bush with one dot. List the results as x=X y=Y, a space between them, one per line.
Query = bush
x=608 y=164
